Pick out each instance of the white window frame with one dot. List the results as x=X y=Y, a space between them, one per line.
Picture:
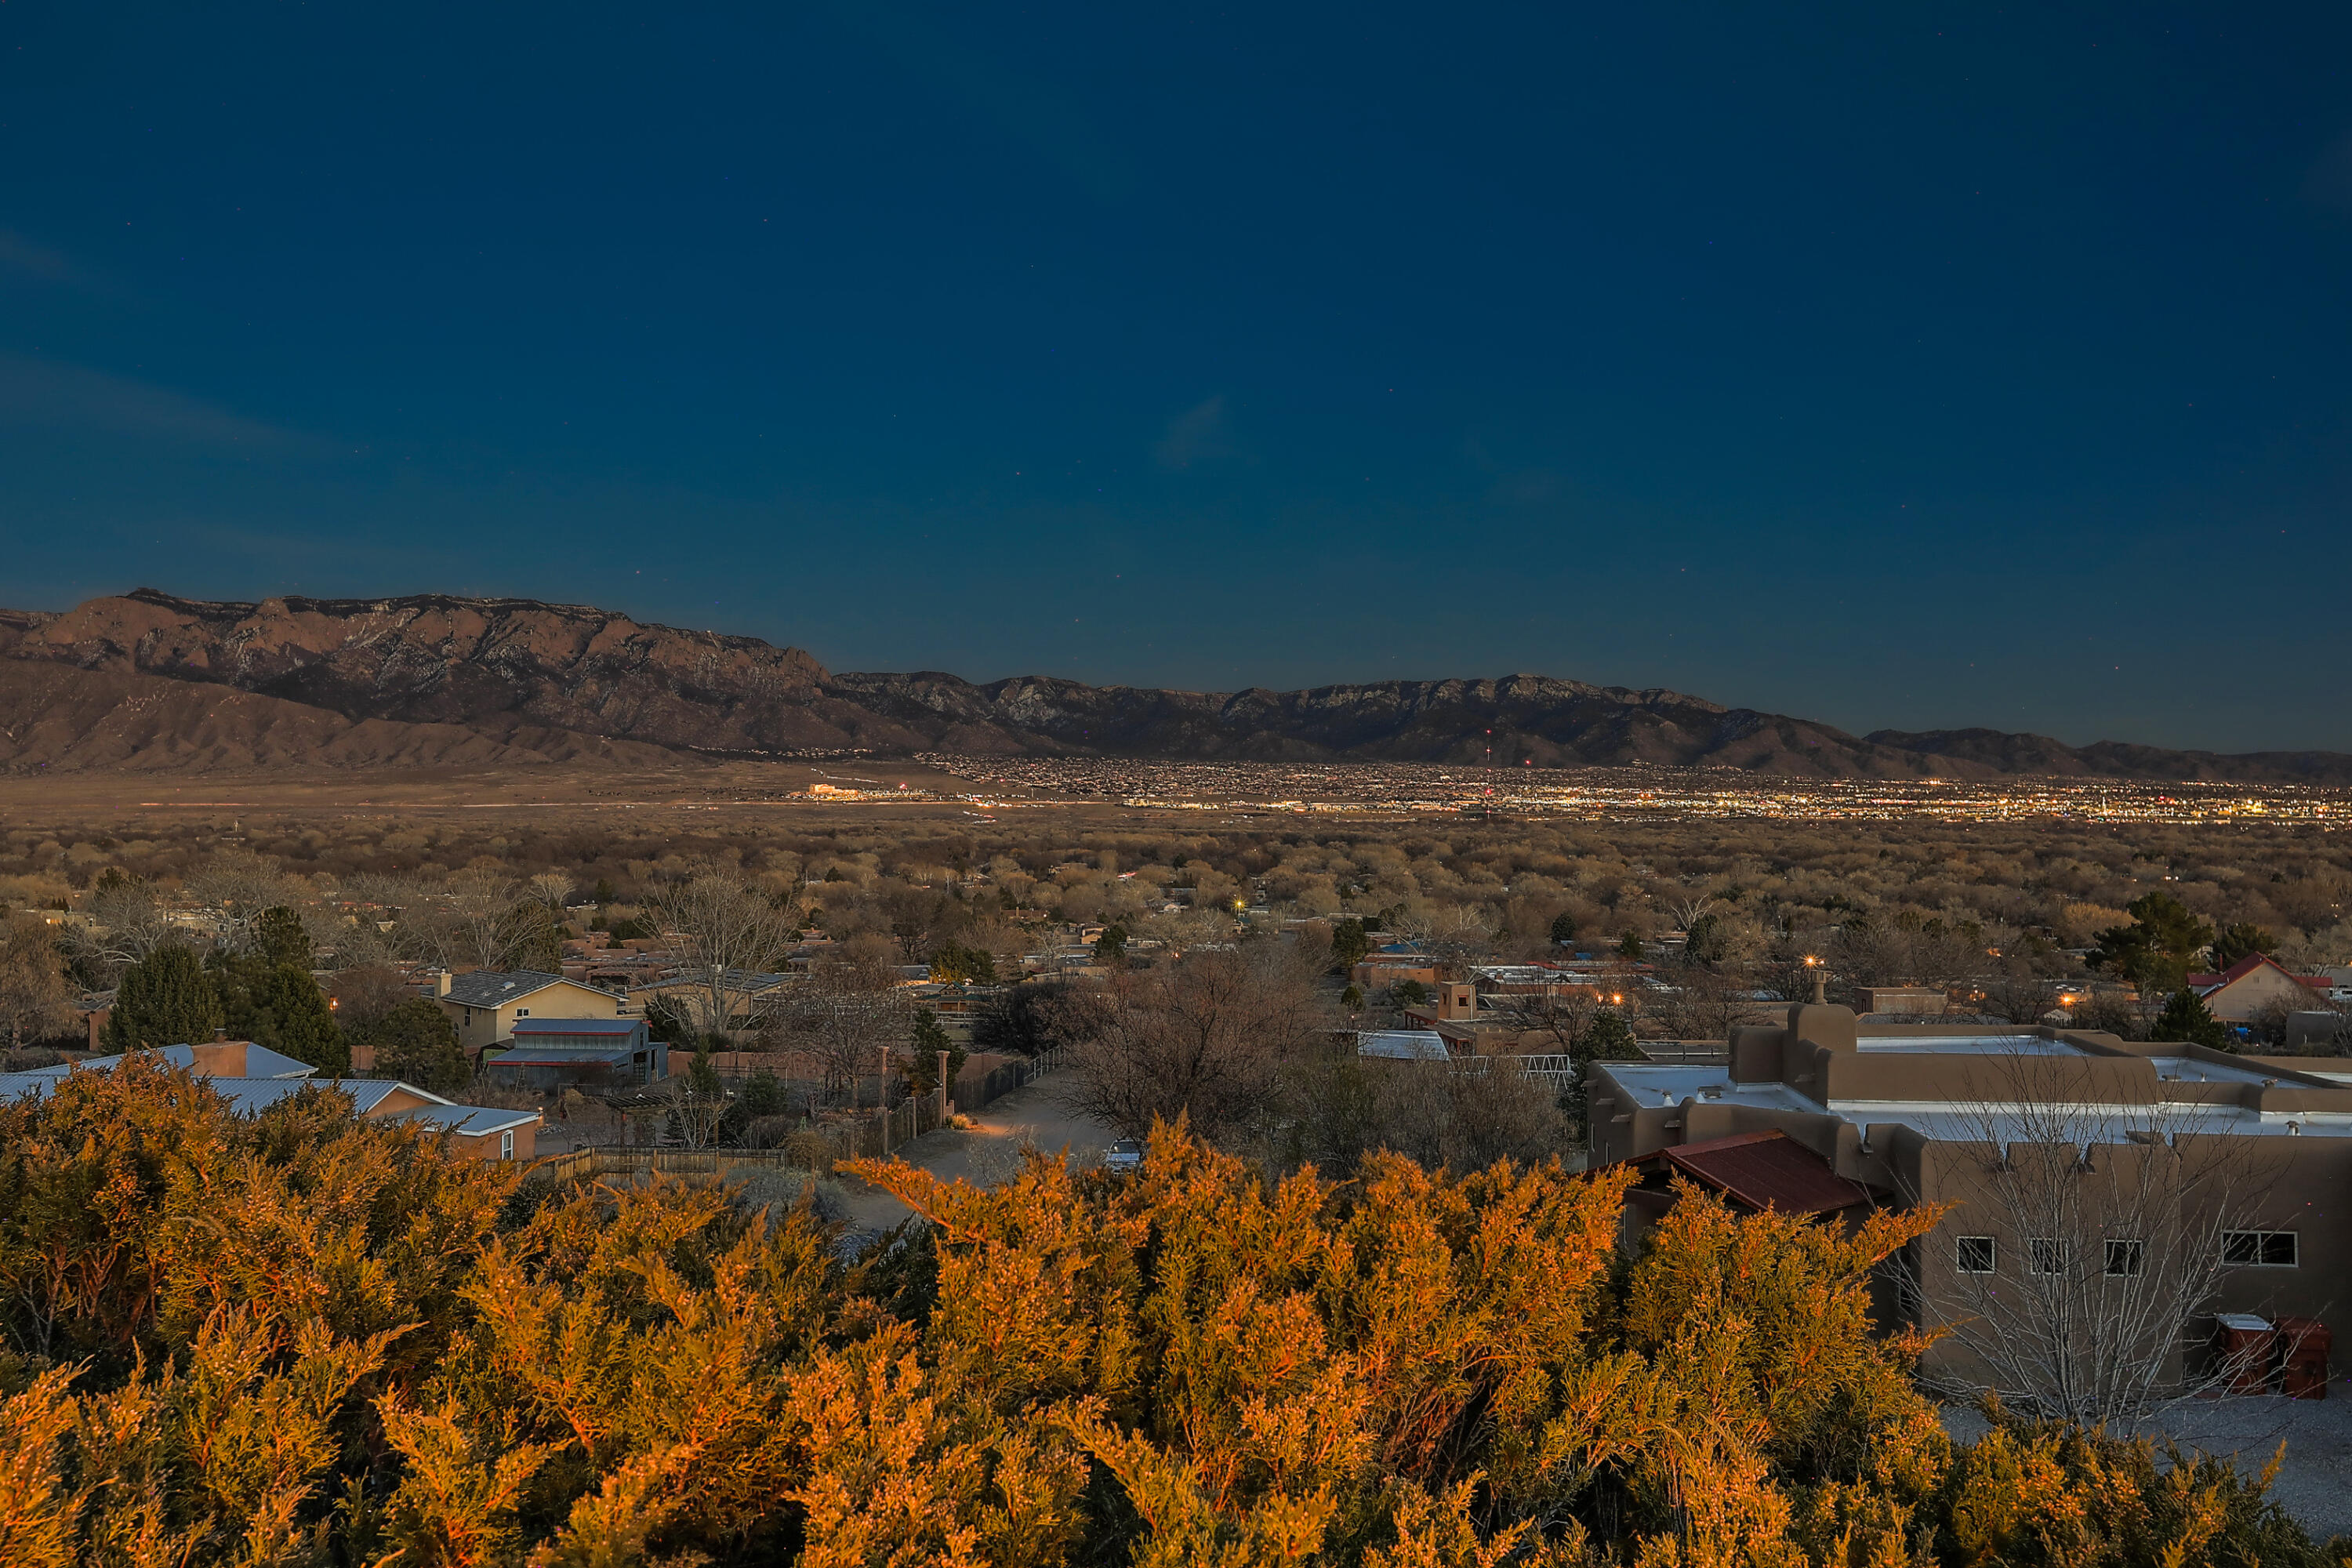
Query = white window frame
x=2136 y=1253
x=1992 y=1255
x=506 y=1145
x=2048 y=1251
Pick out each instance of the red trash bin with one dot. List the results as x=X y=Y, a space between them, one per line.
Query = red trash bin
x=2243 y=1348
x=2303 y=1346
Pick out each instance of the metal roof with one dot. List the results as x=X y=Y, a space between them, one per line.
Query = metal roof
x=260 y=1062
x=1403 y=1044
x=577 y=1026
x=1765 y=1171
x=562 y=1055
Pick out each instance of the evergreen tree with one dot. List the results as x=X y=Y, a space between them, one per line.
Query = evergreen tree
x=930 y=1040
x=1629 y=947
x=956 y=963
x=290 y=1016
x=416 y=1043
x=2186 y=1017
x=763 y=1095
x=1110 y=948
x=1563 y=928
x=278 y=938
x=164 y=999
x=1349 y=942
x=2153 y=952
x=2239 y=941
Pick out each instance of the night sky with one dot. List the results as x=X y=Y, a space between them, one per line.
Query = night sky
x=1904 y=365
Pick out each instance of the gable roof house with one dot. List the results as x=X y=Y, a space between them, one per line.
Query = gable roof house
x=253 y=1077
x=485 y=1005
x=2255 y=982
x=561 y=1052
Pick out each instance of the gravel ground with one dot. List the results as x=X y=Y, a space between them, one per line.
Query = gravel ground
x=2315 y=1477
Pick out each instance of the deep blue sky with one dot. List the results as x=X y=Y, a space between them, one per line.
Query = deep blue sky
x=1903 y=365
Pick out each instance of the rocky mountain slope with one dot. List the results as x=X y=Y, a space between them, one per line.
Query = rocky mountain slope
x=147 y=679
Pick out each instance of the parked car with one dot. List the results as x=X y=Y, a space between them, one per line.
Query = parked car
x=1126 y=1154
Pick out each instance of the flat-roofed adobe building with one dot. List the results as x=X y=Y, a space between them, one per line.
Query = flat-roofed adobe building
x=2076 y=1170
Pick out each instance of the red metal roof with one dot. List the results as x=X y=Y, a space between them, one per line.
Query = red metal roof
x=1767 y=1170
x=2247 y=965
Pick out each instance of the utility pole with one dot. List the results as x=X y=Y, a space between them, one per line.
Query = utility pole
x=946 y=1105
x=882 y=1098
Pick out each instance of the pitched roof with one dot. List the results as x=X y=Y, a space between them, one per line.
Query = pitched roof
x=497 y=988
x=2207 y=984
x=469 y=1120
x=751 y=979
x=1765 y=1169
x=260 y=1062
x=564 y=1056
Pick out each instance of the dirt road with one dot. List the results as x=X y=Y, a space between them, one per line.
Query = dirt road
x=1033 y=1115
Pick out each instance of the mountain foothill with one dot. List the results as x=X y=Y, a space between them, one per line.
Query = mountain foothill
x=150 y=681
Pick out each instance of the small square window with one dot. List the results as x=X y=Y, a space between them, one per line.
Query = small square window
x=2047 y=1254
x=2126 y=1259
x=506 y=1145
x=2259 y=1248
x=1977 y=1255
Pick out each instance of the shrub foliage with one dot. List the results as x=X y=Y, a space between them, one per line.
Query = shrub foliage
x=300 y=1339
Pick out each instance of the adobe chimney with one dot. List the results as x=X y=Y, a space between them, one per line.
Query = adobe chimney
x=441 y=983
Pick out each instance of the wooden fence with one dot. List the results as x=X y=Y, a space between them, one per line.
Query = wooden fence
x=697 y=1166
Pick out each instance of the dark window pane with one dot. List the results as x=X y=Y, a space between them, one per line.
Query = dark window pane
x=1976 y=1255
x=2125 y=1258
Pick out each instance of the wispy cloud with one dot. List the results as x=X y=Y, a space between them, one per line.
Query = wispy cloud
x=22 y=257
x=54 y=396
x=1196 y=437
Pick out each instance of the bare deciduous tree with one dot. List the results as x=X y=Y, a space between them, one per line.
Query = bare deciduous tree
x=126 y=925
x=1204 y=1039
x=2095 y=1238
x=719 y=922
x=1461 y=1115
x=34 y=996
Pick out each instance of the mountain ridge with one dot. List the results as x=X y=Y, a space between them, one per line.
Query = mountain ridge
x=535 y=680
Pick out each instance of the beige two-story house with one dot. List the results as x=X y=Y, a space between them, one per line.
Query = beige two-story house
x=484 y=1005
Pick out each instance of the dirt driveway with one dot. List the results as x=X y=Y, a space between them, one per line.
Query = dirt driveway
x=1032 y=1115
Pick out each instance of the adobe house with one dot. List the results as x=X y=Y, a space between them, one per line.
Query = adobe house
x=2159 y=1160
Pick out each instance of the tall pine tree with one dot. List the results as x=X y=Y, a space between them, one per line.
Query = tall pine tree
x=164 y=999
